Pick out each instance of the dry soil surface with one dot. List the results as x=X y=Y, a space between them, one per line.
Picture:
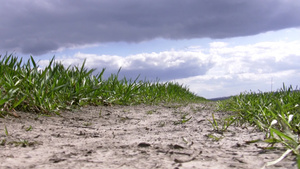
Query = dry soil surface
x=174 y=136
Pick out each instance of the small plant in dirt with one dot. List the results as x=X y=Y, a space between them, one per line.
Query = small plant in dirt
x=223 y=124
x=6 y=131
x=123 y=118
x=87 y=124
x=150 y=112
x=275 y=113
x=29 y=128
x=214 y=137
x=183 y=119
x=22 y=143
x=3 y=142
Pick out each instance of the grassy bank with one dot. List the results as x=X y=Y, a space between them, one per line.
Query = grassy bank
x=275 y=113
x=26 y=87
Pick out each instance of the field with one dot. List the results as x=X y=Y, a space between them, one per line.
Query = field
x=66 y=117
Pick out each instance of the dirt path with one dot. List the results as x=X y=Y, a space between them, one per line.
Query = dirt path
x=131 y=137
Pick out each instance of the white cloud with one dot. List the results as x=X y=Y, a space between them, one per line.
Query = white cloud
x=256 y=58
x=248 y=67
x=220 y=71
x=167 y=65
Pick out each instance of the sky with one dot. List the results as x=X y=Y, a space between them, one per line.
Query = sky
x=214 y=47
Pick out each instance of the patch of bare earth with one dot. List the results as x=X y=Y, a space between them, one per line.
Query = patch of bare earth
x=131 y=137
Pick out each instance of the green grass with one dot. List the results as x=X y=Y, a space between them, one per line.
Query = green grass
x=26 y=87
x=275 y=113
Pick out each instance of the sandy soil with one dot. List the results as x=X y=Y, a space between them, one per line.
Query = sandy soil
x=131 y=137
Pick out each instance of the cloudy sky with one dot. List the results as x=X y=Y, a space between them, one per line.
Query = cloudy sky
x=215 y=47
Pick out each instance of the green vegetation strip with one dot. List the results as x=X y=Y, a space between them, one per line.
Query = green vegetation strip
x=275 y=113
x=26 y=87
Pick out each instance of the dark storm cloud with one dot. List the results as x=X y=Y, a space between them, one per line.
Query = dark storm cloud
x=37 y=27
x=150 y=72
